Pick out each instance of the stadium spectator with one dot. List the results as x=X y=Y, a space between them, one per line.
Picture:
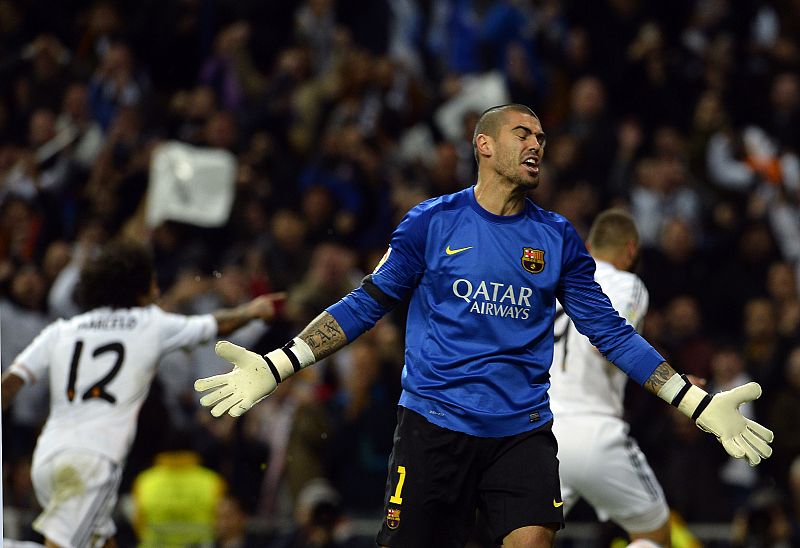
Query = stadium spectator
x=684 y=338
x=675 y=265
x=22 y=318
x=763 y=521
x=784 y=291
x=662 y=194
x=118 y=179
x=727 y=369
x=359 y=412
x=692 y=455
x=794 y=494
x=231 y=526
x=116 y=83
x=743 y=265
x=103 y=23
x=81 y=134
x=784 y=414
x=765 y=350
x=588 y=121
x=784 y=110
x=176 y=499
x=230 y=70
x=43 y=75
x=318 y=520
x=331 y=273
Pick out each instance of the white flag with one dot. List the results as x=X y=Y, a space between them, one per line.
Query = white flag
x=190 y=184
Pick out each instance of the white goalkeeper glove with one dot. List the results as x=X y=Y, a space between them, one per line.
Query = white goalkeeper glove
x=253 y=377
x=719 y=415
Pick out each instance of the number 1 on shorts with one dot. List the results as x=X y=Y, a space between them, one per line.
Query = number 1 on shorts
x=396 y=498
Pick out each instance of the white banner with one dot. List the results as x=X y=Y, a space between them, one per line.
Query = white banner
x=191 y=185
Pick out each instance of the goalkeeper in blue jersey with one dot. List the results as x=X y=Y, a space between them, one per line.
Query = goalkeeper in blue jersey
x=483 y=268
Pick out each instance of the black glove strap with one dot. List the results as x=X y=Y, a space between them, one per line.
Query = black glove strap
x=702 y=406
x=273 y=369
x=292 y=358
x=682 y=392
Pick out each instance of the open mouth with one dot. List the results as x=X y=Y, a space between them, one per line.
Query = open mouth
x=531 y=165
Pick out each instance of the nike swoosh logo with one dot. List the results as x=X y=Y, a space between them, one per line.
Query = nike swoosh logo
x=558 y=504
x=454 y=251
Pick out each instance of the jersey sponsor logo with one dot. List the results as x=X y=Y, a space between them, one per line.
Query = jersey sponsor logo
x=494 y=298
x=532 y=260
x=393 y=518
x=457 y=250
x=558 y=504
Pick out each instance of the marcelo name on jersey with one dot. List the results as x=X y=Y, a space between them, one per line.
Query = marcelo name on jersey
x=494 y=298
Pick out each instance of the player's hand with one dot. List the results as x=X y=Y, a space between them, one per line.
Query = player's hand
x=267 y=307
x=237 y=391
x=740 y=436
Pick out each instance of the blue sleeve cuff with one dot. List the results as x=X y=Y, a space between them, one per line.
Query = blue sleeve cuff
x=636 y=358
x=356 y=313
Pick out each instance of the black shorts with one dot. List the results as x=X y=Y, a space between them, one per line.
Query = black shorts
x=438 y=478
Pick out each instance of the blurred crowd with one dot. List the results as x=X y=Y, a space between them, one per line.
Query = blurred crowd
x=341 y=115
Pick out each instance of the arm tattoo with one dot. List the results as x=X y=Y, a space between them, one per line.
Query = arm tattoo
x=324 y=335
x=661 y=375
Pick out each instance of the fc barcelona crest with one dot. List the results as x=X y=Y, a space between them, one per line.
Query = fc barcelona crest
x=532 y=260
x=393 y=518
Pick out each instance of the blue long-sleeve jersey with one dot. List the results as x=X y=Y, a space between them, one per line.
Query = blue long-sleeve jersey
x=479 y=334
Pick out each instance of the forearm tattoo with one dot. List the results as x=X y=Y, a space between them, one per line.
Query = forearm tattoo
x=324 y=335
x=661 y=375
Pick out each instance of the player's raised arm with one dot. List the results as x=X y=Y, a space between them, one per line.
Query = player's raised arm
x=263 y=307
x=717 y=414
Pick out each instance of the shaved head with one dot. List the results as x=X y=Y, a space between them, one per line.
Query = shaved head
x=612 y=229
x=492 y=118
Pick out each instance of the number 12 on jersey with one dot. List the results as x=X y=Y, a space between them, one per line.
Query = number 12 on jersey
x=98 y=389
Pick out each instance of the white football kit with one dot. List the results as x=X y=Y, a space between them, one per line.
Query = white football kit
x=100 y=366
x=598 y=460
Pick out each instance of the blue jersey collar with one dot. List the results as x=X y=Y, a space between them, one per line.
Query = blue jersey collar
x=488 y=215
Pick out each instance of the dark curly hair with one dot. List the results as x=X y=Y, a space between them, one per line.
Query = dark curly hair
x=117 y=277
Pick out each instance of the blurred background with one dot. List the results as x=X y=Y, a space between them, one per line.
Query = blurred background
x=262 y=145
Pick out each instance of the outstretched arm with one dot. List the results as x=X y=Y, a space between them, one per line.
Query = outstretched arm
x=255 y=377
x=323 y=335
x=717 y=414
x=263 y=307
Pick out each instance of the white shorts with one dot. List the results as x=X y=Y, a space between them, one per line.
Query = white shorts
x=78 y=491
x=602 y=464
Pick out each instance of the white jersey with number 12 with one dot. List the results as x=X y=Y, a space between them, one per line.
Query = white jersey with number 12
x=100 y=365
